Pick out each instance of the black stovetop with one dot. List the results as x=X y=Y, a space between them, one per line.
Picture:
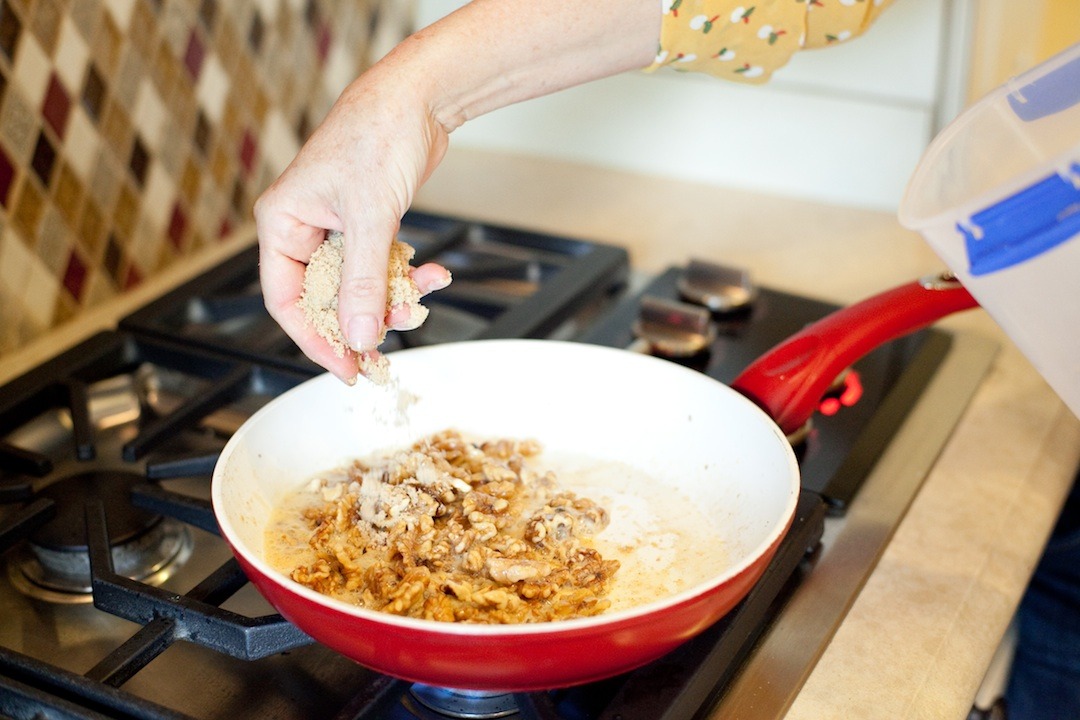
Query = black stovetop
x=845 y=438
x=507 y=284
x=145 y=408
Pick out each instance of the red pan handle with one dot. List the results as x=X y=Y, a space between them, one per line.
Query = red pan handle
x=789 y=380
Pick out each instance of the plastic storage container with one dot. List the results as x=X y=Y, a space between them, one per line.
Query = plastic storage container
x=997 y=195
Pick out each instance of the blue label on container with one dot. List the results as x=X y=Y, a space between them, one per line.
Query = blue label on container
x=1050 y=94
x=1023 y=226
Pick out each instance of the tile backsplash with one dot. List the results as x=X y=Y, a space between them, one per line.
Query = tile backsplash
x=135 y=132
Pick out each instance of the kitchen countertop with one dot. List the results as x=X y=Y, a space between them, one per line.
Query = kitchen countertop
x=920 y=635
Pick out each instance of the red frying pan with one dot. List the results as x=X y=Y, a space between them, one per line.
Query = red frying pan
x=698 y=477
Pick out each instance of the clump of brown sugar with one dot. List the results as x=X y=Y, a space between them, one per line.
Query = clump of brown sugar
x=319 y=299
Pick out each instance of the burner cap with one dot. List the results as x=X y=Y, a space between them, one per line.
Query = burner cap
x=720 y=288
x=67 y=531
x=673 y=328
x=63 y=576
x=473 y=704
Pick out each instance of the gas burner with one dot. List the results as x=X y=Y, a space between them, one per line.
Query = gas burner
x=673 y=329
x=93 y=429
x=436 y=703
x=720 y=288
x=53 y=564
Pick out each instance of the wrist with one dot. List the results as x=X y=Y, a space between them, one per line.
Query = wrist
x=406 y=84
x=492 y=53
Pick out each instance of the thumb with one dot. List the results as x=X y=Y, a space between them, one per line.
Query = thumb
x=362 y=296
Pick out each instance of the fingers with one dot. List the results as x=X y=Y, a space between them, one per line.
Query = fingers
x=430 y=277
x=357 y=173
x=282 y=279
x=402 y=317
x=362 y=297
x=316 y=348
x=285 y=245
x=284 y=248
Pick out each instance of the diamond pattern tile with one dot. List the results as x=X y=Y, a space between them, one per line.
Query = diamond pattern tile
x=134 y=132
x=10 y=30
x=45 y=23
x=93 y=93
x=75 y=274
x=57 y=106
x=7 y=177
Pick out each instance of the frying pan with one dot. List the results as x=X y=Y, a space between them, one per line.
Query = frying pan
x=712 y=446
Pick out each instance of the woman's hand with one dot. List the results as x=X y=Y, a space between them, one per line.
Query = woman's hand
x=357 y=173
x=360 y=170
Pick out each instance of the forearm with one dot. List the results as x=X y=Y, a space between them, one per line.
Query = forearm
x=358 y=171
x=492 y=53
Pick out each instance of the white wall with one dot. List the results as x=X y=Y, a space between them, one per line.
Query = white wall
x=846 y=124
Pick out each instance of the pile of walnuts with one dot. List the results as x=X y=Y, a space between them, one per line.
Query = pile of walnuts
x=458 y=531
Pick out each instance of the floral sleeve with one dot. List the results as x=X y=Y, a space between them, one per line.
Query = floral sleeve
x=746 y=40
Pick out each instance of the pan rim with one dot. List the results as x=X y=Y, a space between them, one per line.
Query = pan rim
x=629 y=615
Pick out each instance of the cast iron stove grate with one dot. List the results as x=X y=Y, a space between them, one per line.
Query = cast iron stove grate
x=183 y=630
x=679 y=685
x=507 y=284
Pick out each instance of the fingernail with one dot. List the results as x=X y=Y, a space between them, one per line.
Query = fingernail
x=409 y=323
x=401 y=317
x=440 y=283
x=363 y=332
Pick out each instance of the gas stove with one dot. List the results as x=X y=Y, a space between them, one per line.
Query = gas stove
x=121 y=600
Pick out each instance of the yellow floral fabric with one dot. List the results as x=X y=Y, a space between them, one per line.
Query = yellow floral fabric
x=746 y=41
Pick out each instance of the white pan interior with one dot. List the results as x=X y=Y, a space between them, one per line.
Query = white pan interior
x=689 y=434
